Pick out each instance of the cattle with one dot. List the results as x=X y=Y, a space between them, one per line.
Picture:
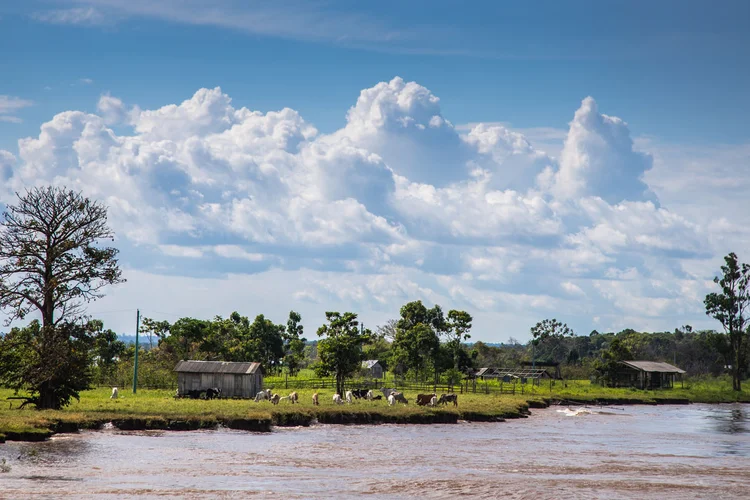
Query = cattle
x=391 y=400
x=275 y=399
x=387 y=392
x=195 y=394
x=349 y=397
x=424 y=399
x=115 y=393
x=337 y=399
x=213 y=392
x=378 y=397
x=399 y=396
x=359 y=393
x=368 y=396
x=447 y=398
x=433 y=400
x=293 y=397
x=315 y=399
x=261 y=396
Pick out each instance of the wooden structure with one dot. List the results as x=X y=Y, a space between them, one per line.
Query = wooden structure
x=373 y=367
x=236 y=380
x=647 y=375
x=557 y=375
x=523 y=373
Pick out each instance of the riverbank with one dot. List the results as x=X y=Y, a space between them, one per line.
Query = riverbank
x=158 y=409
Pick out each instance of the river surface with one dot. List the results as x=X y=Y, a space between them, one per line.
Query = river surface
x=696 y=451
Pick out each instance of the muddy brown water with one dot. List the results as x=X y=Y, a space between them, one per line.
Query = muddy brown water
x=696 y=451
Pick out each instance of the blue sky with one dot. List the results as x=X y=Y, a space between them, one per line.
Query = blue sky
x=522 y=201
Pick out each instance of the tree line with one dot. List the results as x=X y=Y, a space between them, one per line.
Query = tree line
x=53 y=262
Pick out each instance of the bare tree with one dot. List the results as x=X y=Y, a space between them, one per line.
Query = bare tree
x=48 y=258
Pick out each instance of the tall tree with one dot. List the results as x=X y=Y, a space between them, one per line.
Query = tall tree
x=549 y=333
x=50 y=263
x=340 y=352
x=294 y=343
x=459 y=324
x=730 y=308
x=417 y=338
x=266 y=338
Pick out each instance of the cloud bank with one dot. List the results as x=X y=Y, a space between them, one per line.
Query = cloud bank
x=397 y=205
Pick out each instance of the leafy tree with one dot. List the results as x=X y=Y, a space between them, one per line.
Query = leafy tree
x=550 y=333
x=294 y=344
x=53 y=363
x=415 y=347
x=266 y=343
x=608 y=365
x=340 y=352
x=458 y=326
x=729 y=308
x=50 y=263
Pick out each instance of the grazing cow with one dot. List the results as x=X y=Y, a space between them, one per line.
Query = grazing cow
x=368 y=396
x=391 y=400
x=378 y=397
x=387 y=392
x=213 y=392
x=399 y=396
x=447 y=398
x=195 y=394
x=424 y=399
x=293 y=397
x=261 y=396
x=349 y=397
x=275 y=399
x=315 y=399
x=433 y=400
x=337 y=399
x=359 y=393
x=115 y=393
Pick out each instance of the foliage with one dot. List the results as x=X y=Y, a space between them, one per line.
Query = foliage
x=607 y=366
x=458 y=326
x=340 y=352
x=294 y=344
x=107 y=350
x=729 y=308
x=51 y=363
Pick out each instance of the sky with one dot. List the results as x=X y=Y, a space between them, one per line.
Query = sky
x=586 y=161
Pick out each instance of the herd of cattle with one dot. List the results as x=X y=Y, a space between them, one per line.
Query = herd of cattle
x=392 y=396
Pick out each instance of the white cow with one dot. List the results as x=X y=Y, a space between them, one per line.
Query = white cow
x=115 y=393
x=349 y=397
x=391 y=400
x=293 y=397
x=433 y=401
x=337 y=399
x=315 y=399
x=369 y=395
x=261 y=396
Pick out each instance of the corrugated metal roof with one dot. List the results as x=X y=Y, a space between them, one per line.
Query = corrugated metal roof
x=369 y=363
x=192 y=366
x=652 y=366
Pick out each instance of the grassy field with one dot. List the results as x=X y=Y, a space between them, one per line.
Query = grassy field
x=158 y=409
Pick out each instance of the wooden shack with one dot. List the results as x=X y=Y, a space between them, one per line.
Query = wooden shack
x=235 y=379
x=647 y=375
x=373 y=367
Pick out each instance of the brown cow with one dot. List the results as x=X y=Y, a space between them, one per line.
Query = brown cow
x=424 y=399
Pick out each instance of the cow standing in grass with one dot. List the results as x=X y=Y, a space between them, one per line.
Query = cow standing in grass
x=115 y=393
x=447 y=398
x=293 y=397
x=315 y=399
x=349 y=397
x=337 y=399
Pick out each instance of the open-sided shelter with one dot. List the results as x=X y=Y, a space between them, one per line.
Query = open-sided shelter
x=235 y=379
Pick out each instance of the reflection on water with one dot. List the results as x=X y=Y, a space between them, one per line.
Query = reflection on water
x=697 y=451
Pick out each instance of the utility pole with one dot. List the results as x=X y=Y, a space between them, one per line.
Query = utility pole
x=135 y=367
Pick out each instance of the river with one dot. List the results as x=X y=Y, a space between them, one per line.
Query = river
x=696 y=451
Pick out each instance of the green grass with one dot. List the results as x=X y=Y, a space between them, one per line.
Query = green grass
x=158 y=409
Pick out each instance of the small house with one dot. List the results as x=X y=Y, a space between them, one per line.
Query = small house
x=647 y=375
x=373 y=367
x=235 y=379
